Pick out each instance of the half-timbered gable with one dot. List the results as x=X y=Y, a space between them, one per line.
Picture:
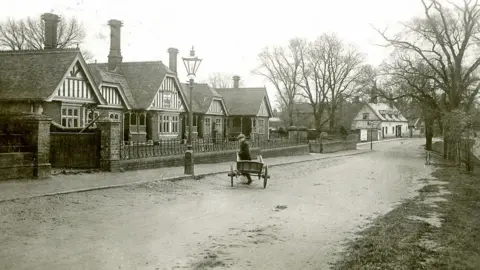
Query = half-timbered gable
x=216 y=107
x=168 y=96
x=75 y=86
x=263 y=111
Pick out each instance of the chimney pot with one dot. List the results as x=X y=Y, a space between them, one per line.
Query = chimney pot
x=236 y=81
x=115 y=55
x=172 y=64
x=51 y=26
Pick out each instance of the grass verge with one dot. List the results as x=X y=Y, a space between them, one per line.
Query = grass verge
x=395 y=241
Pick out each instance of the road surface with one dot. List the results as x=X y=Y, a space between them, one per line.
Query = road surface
x=300 y=221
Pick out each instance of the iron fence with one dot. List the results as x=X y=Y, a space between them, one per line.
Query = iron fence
x=134 y=150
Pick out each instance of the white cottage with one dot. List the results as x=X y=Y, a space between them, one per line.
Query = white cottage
x=385 y=120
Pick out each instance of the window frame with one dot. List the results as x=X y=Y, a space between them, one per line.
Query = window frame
x=73 y=117
x=207 y=130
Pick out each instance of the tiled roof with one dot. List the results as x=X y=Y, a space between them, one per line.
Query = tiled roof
x=33 y=75
x=202 y=96
x=141 y=79
x=244 y=101
x=377 y=107
x=100 y=75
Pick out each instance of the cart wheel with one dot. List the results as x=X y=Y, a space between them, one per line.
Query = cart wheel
x=232 y=174
x=265 y=177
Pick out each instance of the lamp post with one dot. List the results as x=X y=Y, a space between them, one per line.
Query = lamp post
x=192 y=63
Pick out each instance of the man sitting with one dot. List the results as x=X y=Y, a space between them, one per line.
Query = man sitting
x=244 y=154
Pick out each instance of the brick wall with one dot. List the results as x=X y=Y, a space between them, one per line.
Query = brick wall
x=16 y=165
x=204 y=158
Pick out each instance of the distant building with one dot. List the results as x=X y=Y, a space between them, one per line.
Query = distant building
x=249 y=110
x=391 y=122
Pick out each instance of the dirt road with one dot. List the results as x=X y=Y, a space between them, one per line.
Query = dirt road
x=299 y=222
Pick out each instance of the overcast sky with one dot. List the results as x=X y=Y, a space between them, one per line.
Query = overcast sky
x=228 y=35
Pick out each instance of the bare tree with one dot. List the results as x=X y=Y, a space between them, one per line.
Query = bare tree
x=281 y=67
x=29 y=34
x=445 y=40
x=221 y=80
x=441 y=49
x=331 y=71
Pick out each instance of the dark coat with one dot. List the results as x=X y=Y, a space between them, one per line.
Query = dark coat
x=244 y=152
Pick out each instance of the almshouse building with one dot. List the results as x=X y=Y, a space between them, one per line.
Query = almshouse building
x=152 y=90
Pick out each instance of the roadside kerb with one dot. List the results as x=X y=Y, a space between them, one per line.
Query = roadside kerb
x=174 y=178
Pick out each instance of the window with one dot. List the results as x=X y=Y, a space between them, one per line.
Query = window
x=165 y=124
x=142 y=120
x=208 y=125
x=89 y=117
x=114 y=115
x=133 y=119
x=167 y=99
x=168 y=123
x=365 y=116
x=218 y=124
x=261 y=126
x=70 y=117
x=175 y=124
x=393 y=129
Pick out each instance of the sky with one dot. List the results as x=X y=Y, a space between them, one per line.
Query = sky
x=227 y=35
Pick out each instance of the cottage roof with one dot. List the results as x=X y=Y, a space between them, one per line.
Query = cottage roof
x=245 y=101
x=140 y=80
x=382 y=110
x=33 y=74
x=202 y=97
x=101 y=75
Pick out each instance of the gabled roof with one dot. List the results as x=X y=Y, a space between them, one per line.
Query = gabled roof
x=35 y=74
x=377 y=107
x=203 y=96
x=245 y=101
x=140 y=80
x=103 y=76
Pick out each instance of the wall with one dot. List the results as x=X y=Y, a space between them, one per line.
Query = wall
x=53 y=110
x=204 y=158
x=16 y=165
x=331 y=147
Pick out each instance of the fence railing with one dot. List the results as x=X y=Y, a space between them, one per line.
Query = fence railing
x=134 y=150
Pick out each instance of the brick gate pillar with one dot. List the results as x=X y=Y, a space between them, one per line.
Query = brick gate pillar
x=39 y=139
x=110 y=140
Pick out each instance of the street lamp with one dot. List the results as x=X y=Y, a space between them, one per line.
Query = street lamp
x=192 y=63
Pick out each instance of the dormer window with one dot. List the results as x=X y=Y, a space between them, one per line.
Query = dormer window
x=383 y=115
x=390 y=116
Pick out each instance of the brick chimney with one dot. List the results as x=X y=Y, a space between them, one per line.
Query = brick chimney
x=172 y=60
x=236 y=81
x=115 y=55
x=51 y=25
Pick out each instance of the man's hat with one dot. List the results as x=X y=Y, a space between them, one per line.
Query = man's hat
x=241 y=136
